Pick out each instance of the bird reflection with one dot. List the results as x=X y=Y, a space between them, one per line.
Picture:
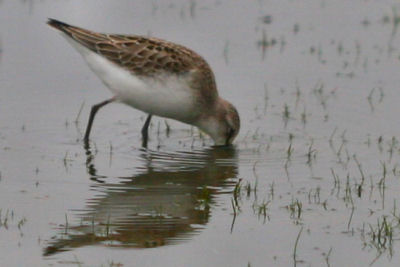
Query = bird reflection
x=166 y=202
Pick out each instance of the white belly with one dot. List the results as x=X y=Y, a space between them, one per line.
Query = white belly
x=166 y=96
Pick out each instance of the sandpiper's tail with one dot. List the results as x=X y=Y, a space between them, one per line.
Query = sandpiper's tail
x=86 y=38
x=58 y=24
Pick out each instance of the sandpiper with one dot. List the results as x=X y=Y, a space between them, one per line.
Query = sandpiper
x=156 y=76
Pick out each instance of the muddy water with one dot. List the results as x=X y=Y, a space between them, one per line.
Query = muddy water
x=313 y=178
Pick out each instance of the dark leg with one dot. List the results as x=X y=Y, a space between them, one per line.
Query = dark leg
x=93 y=112
x=145 y=128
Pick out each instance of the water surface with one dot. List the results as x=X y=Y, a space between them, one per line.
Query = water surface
x=312 y=180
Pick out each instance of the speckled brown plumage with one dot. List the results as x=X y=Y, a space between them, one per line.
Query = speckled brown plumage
x=138 y=54
x=163 y=78
x=145 y=56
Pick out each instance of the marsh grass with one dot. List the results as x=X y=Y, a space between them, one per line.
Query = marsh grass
x=261 y=210
x=295 y=256
x=295 y=208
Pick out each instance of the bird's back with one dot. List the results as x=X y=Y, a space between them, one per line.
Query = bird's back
x=146 y=57
x=138 y=54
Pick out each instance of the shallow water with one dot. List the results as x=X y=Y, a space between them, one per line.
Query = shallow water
x=312 y=179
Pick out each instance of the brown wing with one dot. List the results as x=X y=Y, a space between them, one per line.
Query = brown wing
x=138 y=54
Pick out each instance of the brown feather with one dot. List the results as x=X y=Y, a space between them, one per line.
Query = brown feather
x=144 y=56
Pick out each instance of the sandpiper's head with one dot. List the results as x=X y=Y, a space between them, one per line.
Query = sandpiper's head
x=222 y=123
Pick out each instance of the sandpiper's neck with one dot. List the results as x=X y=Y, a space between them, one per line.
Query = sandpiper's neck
x=215 y=110
x=210 y=121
